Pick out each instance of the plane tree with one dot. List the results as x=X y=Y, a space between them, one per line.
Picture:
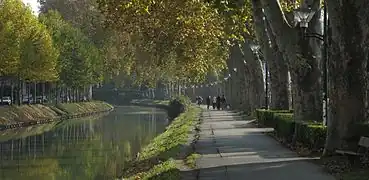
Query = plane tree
x=79 y=61
x=27 y=50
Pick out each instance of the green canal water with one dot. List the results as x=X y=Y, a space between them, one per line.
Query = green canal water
x=86 y=149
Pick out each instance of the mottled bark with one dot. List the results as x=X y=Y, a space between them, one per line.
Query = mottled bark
x=278 y=77
x=254 y=76
x=247 y=91
x=347 y=70
x=303 y=64
x=276 y=64
x=234 y=98
x=237 y=77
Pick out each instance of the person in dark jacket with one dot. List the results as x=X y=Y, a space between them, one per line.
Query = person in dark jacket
x=224 y=102
x=208 y=99
x=218 y=102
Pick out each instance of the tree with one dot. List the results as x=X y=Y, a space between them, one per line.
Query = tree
x=347 y=69
x=26 y=45
x=277 y=65
x=38 y=55
x=303 y=65
x=115 y=50
x=183 y=35
x=79 y=58
x=27 y=51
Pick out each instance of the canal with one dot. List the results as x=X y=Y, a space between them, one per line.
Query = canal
x=85 y=149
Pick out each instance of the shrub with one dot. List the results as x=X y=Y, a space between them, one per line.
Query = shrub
x=177 y=106
x=284 y=125
x=266 y=117
x=311 y=135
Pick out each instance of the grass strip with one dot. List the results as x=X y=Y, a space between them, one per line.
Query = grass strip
x=156 y=160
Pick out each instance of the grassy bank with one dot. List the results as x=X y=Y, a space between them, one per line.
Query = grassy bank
x=37 y=112
x=84 y=107
x=157 y=159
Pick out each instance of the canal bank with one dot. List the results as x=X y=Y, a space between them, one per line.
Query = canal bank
x=163 y=156
x=26 y=115
x=161 y=104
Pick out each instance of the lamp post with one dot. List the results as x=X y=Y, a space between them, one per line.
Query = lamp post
x=255 y=49
x=303 y=17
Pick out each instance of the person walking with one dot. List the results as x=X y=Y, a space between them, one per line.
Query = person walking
x=218 y=102
x=224 y=102
x=214 y=102
x=199 y=100
x=208 y=99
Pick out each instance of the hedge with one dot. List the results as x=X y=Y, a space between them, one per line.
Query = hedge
x=311 y=135
x=178 y=105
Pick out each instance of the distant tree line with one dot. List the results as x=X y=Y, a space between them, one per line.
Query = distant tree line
x=47 y=56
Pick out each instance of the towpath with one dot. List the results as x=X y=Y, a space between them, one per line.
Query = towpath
x=234 y=149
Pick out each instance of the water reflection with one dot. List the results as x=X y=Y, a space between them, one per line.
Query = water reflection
x=79 y=149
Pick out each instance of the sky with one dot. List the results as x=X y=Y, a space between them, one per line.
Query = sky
x=34 y=5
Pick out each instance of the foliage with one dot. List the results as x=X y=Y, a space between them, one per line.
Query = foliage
x=238 y=17
x=151 y=40
x=165 y=170
x=183 y=39
x=177 y=106
x=310 y=135
x=289 y=5
x=156 y=157
x=79 y=59
x=114 y=49
x=26 y=47
x=174 y=136
x=191 y=160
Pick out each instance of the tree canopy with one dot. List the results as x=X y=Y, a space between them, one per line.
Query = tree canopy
x=79 y=60
x=27 y=49
x=169 y=39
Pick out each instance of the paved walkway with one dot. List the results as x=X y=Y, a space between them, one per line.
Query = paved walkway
x=234 y=149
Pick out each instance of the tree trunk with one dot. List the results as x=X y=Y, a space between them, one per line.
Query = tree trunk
x=34 y=92
x=250 y=67
x=255 y=66
x=1 y=91
x=43 y=90
x=277 y=66
x=28 y=88
x=246 y=92
x=303 y=64
x=57 y=91
x=12 y=91
x=346 y=70
x=235 y=55
x=19 y=91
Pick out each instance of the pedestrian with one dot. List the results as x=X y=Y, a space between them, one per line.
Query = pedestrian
x=199 y=100
x=214 y=102
x=208 y=99
x=218 y=102
x=224 y=102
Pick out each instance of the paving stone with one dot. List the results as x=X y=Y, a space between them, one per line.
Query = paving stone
x=233 y=149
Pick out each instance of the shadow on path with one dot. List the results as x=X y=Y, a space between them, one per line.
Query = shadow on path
x=232 y=148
